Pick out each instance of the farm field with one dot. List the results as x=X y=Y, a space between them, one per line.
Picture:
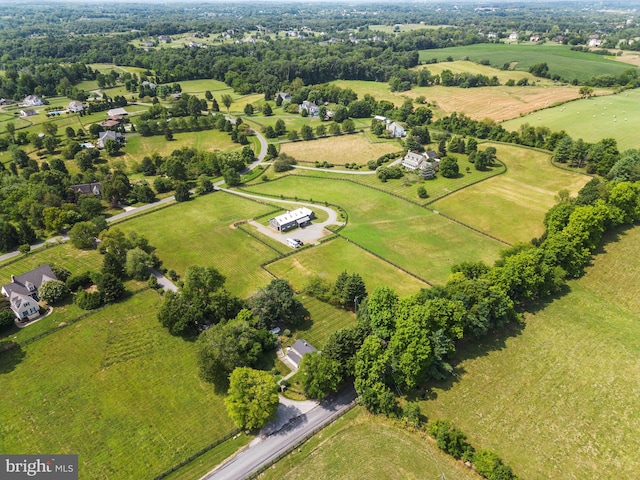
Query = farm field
x=418 y=240
x=199 y=232
x=339 y=150
x=592 y=119
x=362 y=446
x=330 y=258
x=497 y=103
x=558 y=399
x=115 y=388
x=561 y=59
x=512 y=206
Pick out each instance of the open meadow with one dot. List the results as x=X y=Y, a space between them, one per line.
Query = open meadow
x=116 y=389
x=558 y=399
x=592 y=119
x=200 y=232
x=422 y=242
x=138 y=146
x=562 y=61
x=324 y=319
x=497 y=103
x=330 y=258
x=356 y=148
x=363 y=446
x=512 y=206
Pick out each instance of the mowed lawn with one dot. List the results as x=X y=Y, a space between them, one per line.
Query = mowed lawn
x=340 y=150
x=199 y=232
x=363 y=446
x=324 y=319
x=116 y=389
x=412 y=237
x=613 y=116
x=561 y=59
x=208 y=140
x=559 y=400
x=465 y=66
x=512 y=206
x=330 y=258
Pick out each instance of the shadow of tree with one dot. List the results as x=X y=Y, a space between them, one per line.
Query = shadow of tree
x=11 y=354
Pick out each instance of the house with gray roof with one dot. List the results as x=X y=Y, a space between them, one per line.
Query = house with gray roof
x=298 y=350
x=396 y=130
x=311 y=108
x=23 y=291
x=110 y=134
x=88 y=188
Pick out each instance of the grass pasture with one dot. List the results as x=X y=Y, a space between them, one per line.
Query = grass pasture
x=613 y=116
x=363 y=446
x=561 y=59
x=559 y=399
x=339 y=150
x=115 y=388
x=412 y=237
x=209 y=140
x=512 y=206
x=330 y=258
x=324 y=320
x=199 y=232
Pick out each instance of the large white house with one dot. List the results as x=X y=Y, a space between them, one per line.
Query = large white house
x=423 y=163
x=32 y=101
x=23 y=292
x=300 y=217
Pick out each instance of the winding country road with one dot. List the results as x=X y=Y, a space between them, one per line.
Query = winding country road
x=263 y=449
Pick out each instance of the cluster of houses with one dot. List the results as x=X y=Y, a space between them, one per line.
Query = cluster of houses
x=22 y=292
x=426 y=164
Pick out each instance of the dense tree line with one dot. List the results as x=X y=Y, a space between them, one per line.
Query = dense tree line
x=402 y=343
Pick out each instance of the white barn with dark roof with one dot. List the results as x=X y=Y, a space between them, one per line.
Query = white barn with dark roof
x=300 y=217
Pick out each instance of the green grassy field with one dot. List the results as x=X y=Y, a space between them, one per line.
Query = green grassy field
x=559 y=398
x=418 y=240
x=613 y=116
x=363 y=446
x=199 y=232
x=209 y=140
x=512 y=206
x=561 y=59
x=114 y=388
x=331 y=258
x=324 y=319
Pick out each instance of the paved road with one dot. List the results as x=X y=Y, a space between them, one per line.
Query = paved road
x=163 y=281
x=135 y=211
x=261 y=450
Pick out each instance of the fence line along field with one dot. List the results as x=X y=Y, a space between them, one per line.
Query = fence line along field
x=559 y=399
x=562 y=61
x=116 y=389
x=424 y=243
x=361 y=446
x=592 y=119
x=331 y=258
x=200 y=232
x=512 y=206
